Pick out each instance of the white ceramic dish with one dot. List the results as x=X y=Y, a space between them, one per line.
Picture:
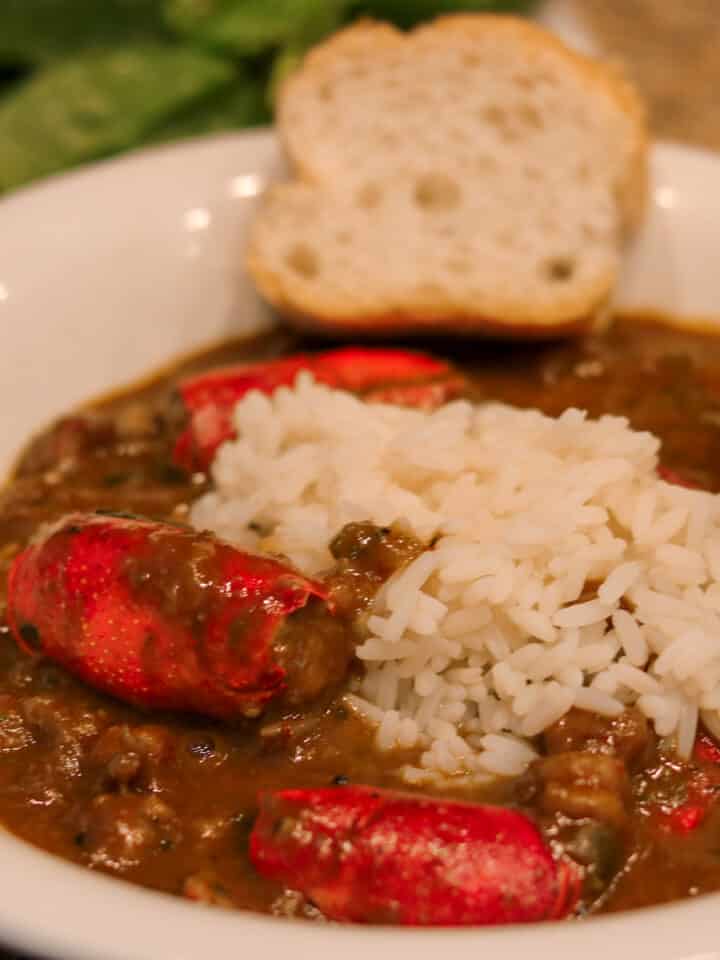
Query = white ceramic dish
x=109 y=273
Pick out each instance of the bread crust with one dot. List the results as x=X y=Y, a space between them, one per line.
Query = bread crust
x=421 y=314
x=461 y=325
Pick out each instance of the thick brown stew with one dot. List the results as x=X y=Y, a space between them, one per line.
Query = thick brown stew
x=168 y=801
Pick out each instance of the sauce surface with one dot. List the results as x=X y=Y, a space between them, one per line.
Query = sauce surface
x=168 y=801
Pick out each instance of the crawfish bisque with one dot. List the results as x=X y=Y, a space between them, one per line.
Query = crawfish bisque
x=376 y=636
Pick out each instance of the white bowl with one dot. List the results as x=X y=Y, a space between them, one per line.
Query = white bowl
x=108 y=273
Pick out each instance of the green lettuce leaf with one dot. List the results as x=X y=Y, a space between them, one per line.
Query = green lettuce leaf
x=242 y=106
x=252 y=27
x=406 y=13
x=244 y=27
x=99 y=103
x=284 y=63
x=37 y=31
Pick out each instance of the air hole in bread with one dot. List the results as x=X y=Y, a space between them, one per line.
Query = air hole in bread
x=471 y=59
x=497 y=118
x=530 y=116
x=583 y=172
x=303 y=261
x=559 y=269
x=436 y=191
x=325 y=92
x=485 y=163
x=459 y=265
x=368 y=196
x=593 y=233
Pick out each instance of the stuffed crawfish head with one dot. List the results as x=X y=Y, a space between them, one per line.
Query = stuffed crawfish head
x=163 y=617
x=368 y=855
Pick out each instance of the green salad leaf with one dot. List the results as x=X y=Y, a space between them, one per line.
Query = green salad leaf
x=252 y=27
x=407 y=13
x=241 y=27
x=185 y=16
x=285 y=63
x=98 y=103
x=81 y=79
x=37 y=31
x=243 y=105
x=322 y=17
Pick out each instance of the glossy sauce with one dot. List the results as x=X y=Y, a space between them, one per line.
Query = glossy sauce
x=168 y=801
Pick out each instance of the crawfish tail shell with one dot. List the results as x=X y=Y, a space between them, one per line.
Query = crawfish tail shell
x=360 y=369
x=209 y=399
x=392 y=376
x=369 y=855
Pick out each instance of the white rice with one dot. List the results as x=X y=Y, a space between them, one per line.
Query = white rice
x=562 y=573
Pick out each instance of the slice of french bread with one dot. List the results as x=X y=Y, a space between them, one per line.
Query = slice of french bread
x=473 y=175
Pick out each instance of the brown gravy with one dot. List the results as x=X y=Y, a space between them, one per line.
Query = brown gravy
x=167 y=801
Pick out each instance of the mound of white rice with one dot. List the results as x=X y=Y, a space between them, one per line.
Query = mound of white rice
x=563 y=571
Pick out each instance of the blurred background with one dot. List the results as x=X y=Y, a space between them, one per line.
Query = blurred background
x=85 y=79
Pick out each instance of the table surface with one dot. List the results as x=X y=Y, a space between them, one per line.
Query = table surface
x=671 y=51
